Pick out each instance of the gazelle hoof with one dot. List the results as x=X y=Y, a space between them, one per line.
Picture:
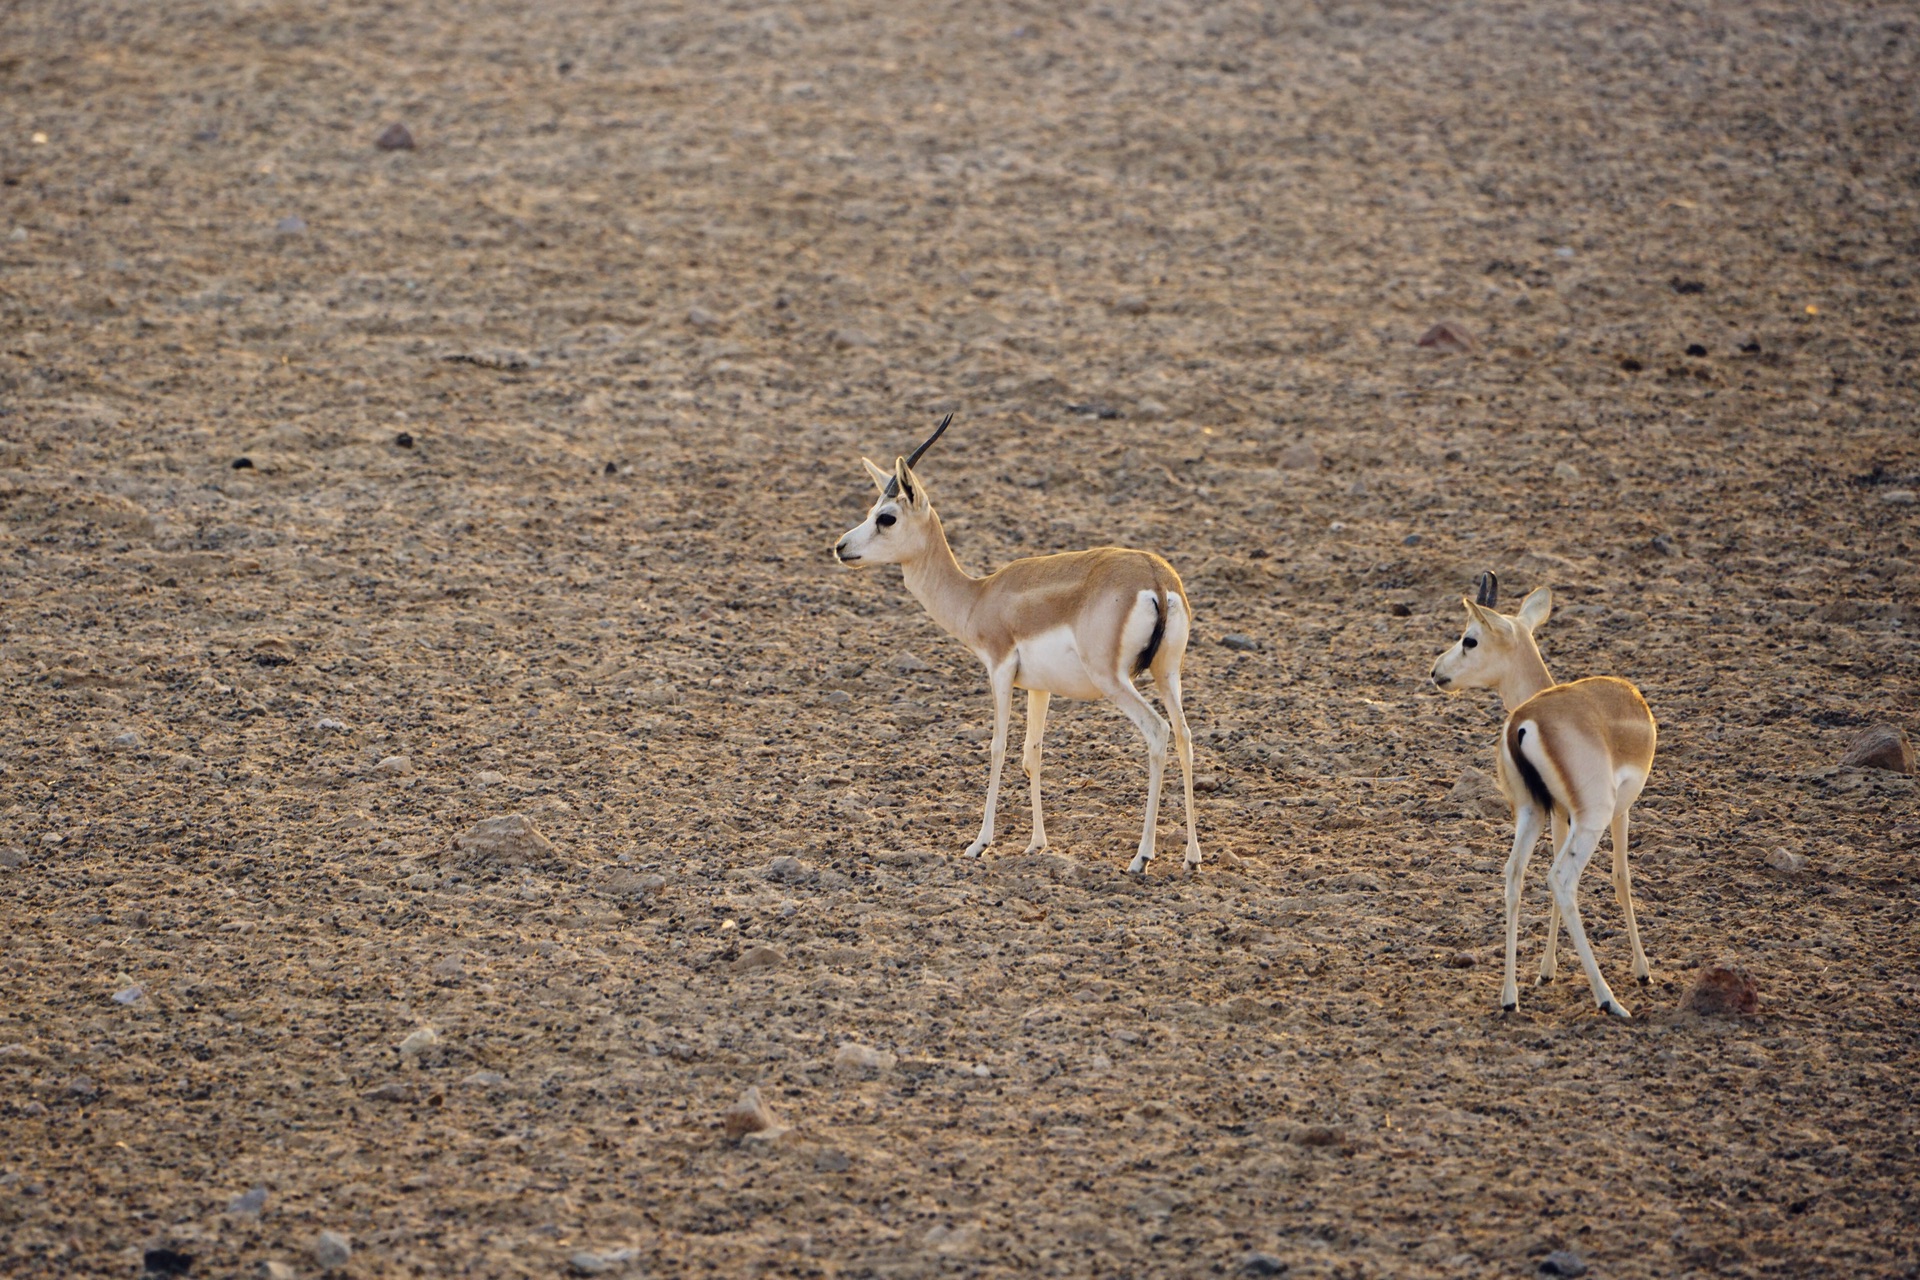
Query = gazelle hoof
x=977 y=848
x=1617 y=1009
x=1508 y=1008
x=1645 y=979
x=1038 y=846
x=1138 y=865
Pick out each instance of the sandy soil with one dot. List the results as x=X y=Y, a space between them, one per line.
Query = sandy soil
x=650 y=282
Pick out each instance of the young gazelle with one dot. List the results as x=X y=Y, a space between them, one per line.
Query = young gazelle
x=1579 y=752
x=1081 y=624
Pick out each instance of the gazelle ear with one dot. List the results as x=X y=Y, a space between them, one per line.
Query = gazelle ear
x=910 y=491
x=1535 y=608
x=880 y=478
x=1476 y=613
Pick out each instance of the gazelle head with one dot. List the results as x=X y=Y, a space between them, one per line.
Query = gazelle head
x=1495 y=645
x=900 y=524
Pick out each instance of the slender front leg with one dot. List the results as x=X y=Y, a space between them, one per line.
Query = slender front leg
x=1526 y=833
x=1568 y=863
x=1002 y=682
x=1623 y=890
x=1183 y=747
x=1030 y=761
x=1547 y=958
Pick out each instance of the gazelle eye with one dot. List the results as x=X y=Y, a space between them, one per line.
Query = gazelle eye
x=885 y=519
x=1467 y=642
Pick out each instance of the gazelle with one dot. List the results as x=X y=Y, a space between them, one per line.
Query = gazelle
x=1081 y=624
x=1578 y=753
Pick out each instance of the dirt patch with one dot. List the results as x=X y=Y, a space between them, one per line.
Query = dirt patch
x=354 y=495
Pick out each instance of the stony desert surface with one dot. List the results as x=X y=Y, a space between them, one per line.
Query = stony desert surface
x=445 y=769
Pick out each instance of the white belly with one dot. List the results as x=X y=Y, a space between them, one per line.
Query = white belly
x=1052 y=663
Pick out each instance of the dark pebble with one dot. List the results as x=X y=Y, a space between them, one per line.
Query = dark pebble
x=1245 y=644
x=166 y=1262
x=1094 y=409
x=1412 y=540
x=1263 y=1264
x=1695 y=349
x=395 y=137
x=404 y=440
x=1689 y=286
x=1399 y=610
x=243 y=464
x=612 y=469
x=1562 y=1263
x=1630 y=364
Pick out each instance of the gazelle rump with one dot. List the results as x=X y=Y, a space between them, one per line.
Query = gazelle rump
x=1081 y=624
x=1573 y=755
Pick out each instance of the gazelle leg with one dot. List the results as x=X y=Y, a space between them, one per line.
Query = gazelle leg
x=1169 y=684
x=1526 y=833
x=1155 y=731
x=1030 y=761
x=1548 y=965
x=1002 y=682
x=1623 y=890
x=1568 y=862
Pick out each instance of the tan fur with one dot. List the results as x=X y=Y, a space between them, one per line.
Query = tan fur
x=1592 y=749
x=1015 y=618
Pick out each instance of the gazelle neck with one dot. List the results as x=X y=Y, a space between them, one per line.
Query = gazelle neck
x=940 y=584
x=1526 y=676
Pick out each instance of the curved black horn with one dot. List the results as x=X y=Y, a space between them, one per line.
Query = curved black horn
x=1489 y=590
x=893 y=485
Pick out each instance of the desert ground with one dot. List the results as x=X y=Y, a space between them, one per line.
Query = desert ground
x=353 y=496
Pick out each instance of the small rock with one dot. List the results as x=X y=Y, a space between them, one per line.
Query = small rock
x=132 y=995
x=128 y=741
x=331 y=1250
x=701 y=318
x=787 y=870
x=1149 y=408
x=166 y=1262
x=391 y=1091
x=1400 y=609
x=1881 y=746
x=489 y=777
x=1245 y=644
x=1787 y=860
x=83 y=1088
x=1565 y=471
x=1131 y=304
x=759 y=958
x=1446 y=337
x=1477 y=794
x=1298 y=456
x=1095 y=409
x=983 y=1071
x=1262 y=1264
x=1318 y=1135
x=1721 y=988
x=11 y=857
x=291 y=225
x=1664 y=544
x=1412 y=540
x=403 y=440
x=1247 y=1009
x=511 y=839
x=243 y=464
x=274 y=1269
x=831 y=1161
x=18 y=235
x=419 y=1042
x=860 y=1057
x=1899 y=497
x=1695 y=350
x=1688 y=286
x=749 y=1115
x=908 y=663
x=394 y=766
x=586 y=1263
x=484 y=1080
x=1562 y=1263
x=395 y=137
x=324 y=725
x=848 y=338
x=248 y=1204
x=1463 y=960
